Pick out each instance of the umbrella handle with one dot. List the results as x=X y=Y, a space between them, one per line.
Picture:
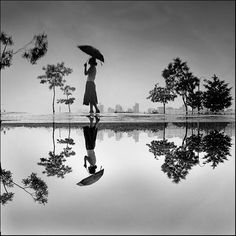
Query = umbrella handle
x=87 y=61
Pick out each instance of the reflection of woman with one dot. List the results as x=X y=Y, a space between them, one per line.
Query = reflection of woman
x=90 y=95
x=90 y=135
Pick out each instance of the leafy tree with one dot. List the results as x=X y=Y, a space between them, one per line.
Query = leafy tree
x=39 y=49
x=161 y=94
x=180 y=80
x=67 y=151
x=178 y=163
x=67 y=91
x=195 y=100
x=217 y=96
x=161 y=147
x=54 y=164
x=217 y=147
x=6 y=54
x=54 y=77
x=39 y=187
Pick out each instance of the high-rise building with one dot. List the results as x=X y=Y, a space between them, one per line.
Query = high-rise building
x=110 y=110
x=100 y=135
x=101 y=108
x=118 y=108
x=150 y=110
x=118 y=136
x=136 y=108
x=136 y=135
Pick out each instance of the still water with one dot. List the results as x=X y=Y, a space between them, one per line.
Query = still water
x=170 y=178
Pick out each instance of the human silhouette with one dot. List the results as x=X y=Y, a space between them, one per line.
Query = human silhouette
x=90 y=135
x=90 y=95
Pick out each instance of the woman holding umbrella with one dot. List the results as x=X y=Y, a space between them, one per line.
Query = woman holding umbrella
x=90 y=95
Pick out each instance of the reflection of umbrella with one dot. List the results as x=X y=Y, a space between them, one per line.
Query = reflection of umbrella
x=93 y=52
x=91 y=179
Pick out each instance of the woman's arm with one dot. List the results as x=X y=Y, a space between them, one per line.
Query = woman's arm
x=85 y=159
x=85 y=69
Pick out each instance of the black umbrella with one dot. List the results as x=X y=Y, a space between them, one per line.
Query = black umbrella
x=91 y=179
x=92 y=51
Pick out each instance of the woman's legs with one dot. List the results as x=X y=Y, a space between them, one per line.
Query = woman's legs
x=91 y=108
x=96 y=107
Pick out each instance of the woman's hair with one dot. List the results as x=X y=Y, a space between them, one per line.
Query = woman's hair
x=92 y=169
x=92 y=61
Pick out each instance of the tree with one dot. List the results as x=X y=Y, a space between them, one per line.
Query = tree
x=217 y=96
x=217 y=146
x=180 y=160
x=195 y=100
x=178 y=163
x=67 y=151
x=33 y=182
x=180 y=80
x=161 y=147
x=39 y=49
x=54 y=164
x=54 y=77
x=67 y=91
x=161 y=94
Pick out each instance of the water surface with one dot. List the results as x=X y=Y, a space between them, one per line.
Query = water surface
x=170 y=178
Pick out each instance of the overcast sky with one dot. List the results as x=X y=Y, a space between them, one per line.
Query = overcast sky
x=137 y=38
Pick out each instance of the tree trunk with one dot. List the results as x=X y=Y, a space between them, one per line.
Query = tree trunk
x=164 y=106
x=186 y=107
x=186 y=133
x=68 y=104
x=53 y=137
x=53 y=101
x=164 y=131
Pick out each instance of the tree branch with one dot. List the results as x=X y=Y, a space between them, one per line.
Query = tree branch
x=23 y=47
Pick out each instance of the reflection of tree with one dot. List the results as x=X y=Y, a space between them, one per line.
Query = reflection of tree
x=217 y=147
x=161 y=147
x=39 y=187
x=178 y=163
x=68 y=141
x=54 y=164
x=180 y=160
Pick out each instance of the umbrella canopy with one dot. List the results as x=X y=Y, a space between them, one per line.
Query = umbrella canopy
x=91 y=179
x=93 y=52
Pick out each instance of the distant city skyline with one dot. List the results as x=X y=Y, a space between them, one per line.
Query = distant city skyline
x=137 y=38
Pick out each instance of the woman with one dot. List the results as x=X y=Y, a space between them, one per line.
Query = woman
x=90 y=135
x=90 y=95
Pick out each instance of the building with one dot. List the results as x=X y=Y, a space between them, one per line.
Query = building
x=136 y=108
x=150 y=110
x=101 y=108
x=118 y=108
x=110 y=110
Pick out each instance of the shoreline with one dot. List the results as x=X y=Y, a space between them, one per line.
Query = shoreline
x=77 y=118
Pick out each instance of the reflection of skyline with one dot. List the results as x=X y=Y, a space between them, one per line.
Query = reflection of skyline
x=100 y=135
x=171 y=130
x=118 y=136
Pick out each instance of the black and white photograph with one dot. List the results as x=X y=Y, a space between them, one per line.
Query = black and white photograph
x=117 y=117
